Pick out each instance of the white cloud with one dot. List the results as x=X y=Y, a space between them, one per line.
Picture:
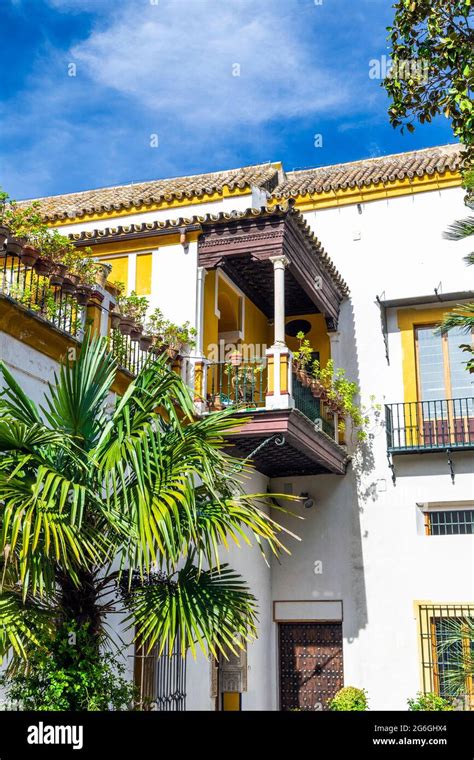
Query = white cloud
x=179 y=56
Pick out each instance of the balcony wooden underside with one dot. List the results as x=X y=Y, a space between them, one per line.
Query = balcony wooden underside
x=305 y=451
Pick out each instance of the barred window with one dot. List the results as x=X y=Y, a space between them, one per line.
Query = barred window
x=449 y=522
x=447 y=651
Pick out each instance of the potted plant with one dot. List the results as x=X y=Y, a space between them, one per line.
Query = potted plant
x=146 y=342
x=301 y=358
x=133 y=309
x=103 y=271
x=24 y=225
x=177 y=337
x=28 y=255
x=86 y=268
x=235 y=358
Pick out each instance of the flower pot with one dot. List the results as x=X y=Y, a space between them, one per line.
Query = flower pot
x=96 y=296
x=235 y=358
x=126 y=325
x=3 y=234
x=136 y=332
x=145 y=342
x=301 y=375
x=29 y=256
x=43 y=266
x=103 y=273
x=70 y=282
x=316 y=388
x=58 y=273
x=115 y=318
x=83 y=293
x=14 y=246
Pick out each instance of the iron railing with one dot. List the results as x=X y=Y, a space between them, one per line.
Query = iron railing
x=313 y=408
x=243 y=385
x=34 y=291
x=160 y=679
x=430 y=425
x=127 y=352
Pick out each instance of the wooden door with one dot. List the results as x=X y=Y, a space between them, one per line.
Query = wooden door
x=311 y=668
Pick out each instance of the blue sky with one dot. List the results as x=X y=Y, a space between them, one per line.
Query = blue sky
x=170 y=87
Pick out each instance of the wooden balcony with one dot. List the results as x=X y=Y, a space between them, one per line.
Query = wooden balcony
x=301 y=439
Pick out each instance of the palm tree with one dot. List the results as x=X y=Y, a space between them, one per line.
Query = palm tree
x=134 y=501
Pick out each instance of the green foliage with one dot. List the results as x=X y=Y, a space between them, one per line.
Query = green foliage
x=437 y=35
x=430 y=702
x=24 y=221
x=145 y=483
x=304 y=351
x=343 y=393
x=457 y=651
x=134 y=306
x=65 y=672
x=349 y=698
x=57 y=247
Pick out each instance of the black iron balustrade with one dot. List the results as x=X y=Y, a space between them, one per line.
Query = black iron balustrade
x=127 y=352
x=161 y=679
x=313 y=408
x=421 y=426
x=35 y=292
x=242 y=385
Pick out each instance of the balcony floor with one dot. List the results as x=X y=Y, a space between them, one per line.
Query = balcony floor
x=305 y=451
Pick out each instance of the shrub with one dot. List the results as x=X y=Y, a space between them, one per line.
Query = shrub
x=349 y=698
x=429 y=702
x=67 y=673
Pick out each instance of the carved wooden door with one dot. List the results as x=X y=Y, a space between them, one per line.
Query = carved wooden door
x=311 y=670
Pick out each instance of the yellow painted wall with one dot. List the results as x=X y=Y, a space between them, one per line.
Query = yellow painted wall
x=119 y=269
x=257 y=331
x=317 y=336
x=143 y=276
x=210 y=319
x=408 y=319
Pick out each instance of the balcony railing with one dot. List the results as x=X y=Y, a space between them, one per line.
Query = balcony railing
x=240 y=386
x=127 y=352
x=430 y=425
x=313 y=408
x=36 y=293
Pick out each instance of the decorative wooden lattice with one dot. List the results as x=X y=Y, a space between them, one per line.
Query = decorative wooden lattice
x=311 y=668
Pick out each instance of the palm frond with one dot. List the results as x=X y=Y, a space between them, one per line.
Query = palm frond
x=211 y=609
x=21 y=624
x=460 y=229
x=461 y=316
x=77 y=397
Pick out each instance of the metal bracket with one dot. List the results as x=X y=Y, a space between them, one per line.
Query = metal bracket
x=392 y=468
x=279 y=440
x=450 y=463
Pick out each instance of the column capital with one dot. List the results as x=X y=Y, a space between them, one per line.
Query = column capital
x=279 y=259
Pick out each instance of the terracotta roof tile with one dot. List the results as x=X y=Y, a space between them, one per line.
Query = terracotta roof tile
x=370 y=171
x=139 y=194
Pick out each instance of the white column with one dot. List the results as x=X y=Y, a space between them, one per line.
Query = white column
x=280 y=397
x=279 y=264
x=198 y=360
x=201 y=276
